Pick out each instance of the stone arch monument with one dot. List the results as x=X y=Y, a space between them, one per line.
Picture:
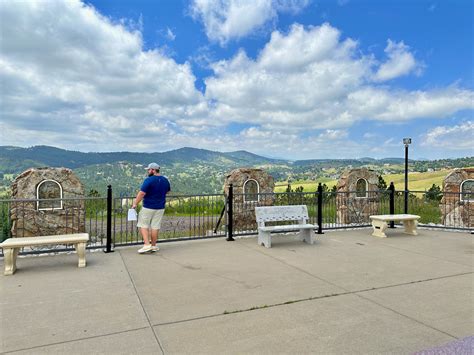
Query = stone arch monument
x=357 y=196
x=251 y=188
x=457 y=204
x=50 y=203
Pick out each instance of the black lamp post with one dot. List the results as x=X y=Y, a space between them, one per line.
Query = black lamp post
x=407 y=142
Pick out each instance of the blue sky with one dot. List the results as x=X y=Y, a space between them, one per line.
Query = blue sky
x=295 y=79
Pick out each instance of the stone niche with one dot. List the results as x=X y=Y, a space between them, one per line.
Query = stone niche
x=51 y=203
x=251 y=188
x=457 y=204
x=357 y=196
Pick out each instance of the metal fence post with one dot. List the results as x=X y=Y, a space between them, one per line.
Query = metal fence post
x=230 y=214
x=406 y=178
x=109 y=220
x=320 y=209
x=392 y=203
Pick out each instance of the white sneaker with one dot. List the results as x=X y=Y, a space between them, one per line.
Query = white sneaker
x=146 y=248
x=154 y=248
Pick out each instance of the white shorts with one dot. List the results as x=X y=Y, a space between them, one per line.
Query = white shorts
x=149 y=218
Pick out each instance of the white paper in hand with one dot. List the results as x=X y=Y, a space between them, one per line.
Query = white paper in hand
x=132 y=215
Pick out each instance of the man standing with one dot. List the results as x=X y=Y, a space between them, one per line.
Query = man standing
x=153 y=193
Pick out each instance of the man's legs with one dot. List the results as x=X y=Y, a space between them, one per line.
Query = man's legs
x=154 y=236
x=155 y=228
x=144 y=220
x=146 y=242
x=149 y=219
x=144 y=233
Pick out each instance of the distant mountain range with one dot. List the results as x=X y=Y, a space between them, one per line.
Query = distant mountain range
x=191 y=170
x=16 y=159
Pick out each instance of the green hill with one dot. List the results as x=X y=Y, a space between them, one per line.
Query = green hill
x=201 y=171
x=15 y=159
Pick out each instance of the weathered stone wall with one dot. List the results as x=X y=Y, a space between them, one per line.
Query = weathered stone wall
x=244 y=212
x=29 y=221
x=353 y=209
x=454 y=211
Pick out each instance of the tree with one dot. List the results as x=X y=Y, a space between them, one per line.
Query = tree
x=93 y=193
x=95 y=205
x=382 y=185
x=333 y=192
x=434 y=193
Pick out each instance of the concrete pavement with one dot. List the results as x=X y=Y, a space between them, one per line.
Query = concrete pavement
x=348 y=293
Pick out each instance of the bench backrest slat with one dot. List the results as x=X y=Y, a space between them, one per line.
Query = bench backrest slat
x=281 y=213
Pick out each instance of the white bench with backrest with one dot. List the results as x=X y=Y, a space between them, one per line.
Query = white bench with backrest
x=297 y=213
x=380 y=223
x=12 y=246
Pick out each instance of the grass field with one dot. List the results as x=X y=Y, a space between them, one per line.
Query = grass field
x=308 y=186
x=416 y=181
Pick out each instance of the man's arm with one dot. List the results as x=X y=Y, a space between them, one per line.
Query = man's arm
x=138 y=199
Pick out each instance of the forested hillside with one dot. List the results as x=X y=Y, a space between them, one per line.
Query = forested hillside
x=196 y=171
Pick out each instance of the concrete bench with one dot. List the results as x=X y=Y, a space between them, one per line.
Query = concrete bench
x=379 y=223
x=12 y=246
x=297 y=213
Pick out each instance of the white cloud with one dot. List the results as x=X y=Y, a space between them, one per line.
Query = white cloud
x=400 y=62
x=458 y=137
x=311 y=77
x=334 y=134
x=397 y=106
x=290 y=6
x=289 y=144
x=225 y=20
x=82 y=81
x=170 y=35
x=369 y=135
x=79 y=74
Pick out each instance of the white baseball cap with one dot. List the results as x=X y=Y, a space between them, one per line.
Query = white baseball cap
x=153 y=166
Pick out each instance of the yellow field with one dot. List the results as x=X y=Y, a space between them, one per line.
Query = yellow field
x=416 y=181
x=308 y=186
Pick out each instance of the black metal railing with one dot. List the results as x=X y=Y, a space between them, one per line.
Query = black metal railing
x=341 y=210
x=186 y=217
x=105 y=219
x=326 y=209
x=217 y=215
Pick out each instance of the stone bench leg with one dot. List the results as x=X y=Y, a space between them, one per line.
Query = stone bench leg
x=265 y=239
x=10 y=255
x=379 y=228
x=306 y=235
x=81 y=252
x=410 y=227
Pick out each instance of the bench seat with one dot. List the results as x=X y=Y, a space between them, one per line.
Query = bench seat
x=12 y=246
x=287 y=228
x=380 y=223
x=274 y=214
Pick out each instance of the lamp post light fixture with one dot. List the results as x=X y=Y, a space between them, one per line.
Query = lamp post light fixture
x=407 y=142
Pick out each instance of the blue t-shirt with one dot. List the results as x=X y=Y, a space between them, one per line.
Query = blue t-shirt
x=155 y=189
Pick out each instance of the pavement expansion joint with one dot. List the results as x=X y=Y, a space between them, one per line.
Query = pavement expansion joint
x=313 y=298
x=74 y=340
x=406 y=316
x=141 y=304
